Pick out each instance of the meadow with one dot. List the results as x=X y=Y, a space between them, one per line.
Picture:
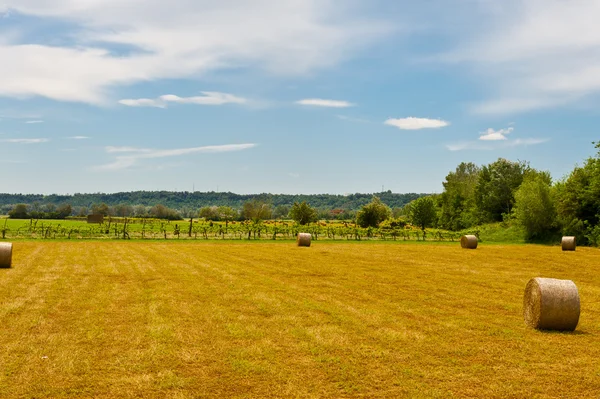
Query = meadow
x=184 y=319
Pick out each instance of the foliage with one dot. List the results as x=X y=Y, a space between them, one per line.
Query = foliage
x=534 y=208
x=422 y=212
x=458 y=199
x=495 y=188
x=302 y=213
x=373 y=213
x=19 y=212
x=256 y=210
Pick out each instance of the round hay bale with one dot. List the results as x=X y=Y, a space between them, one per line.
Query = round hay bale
x=468 y=241
x=303 y=239
x=551 y=304
x=568 y=243
x=5 y=254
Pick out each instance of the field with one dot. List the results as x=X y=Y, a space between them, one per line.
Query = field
x=168 y=319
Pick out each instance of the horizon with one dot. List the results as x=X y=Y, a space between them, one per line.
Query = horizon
x=290 y=96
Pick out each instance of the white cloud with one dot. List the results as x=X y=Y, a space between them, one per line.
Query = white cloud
x=143 y=102
x=294 y=175
x=34 y=122
x=474 y=145
x=209 y=98
x=78 y=137
x=135 y=154
x=176 y=39
x=533 y=54
x=412 y=123
x=25 y=141
x=318 y=102
x=494 y=135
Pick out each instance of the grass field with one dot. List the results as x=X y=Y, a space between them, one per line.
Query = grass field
x=270 y=320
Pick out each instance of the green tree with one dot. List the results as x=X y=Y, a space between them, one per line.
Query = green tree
x=100 y=209
x=256 y=210
x=209 y=213
x=422 y=212
x=303 y=213
x=19 y=212
x=373 y=213
x=534 y=207
x=458 y=199
x=281 y=212
x=578 y=200
x=494 y=192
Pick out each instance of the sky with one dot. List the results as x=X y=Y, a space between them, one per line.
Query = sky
x=291 y=96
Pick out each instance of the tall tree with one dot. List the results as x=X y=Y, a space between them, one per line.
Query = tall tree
x=494 y=192
x=303 y=213
x=256 y=210
x=373 y=213
x=422 y=212
x=534 y=206
x=458 y=199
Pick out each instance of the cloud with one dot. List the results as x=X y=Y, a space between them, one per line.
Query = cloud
x=535 y=54
x=478 y=146
x=78 y=137
x=494 y=135
x=181 y=39
x=317 y=102
x=294 y=175
x=412 y=123
x=135 y=154
x=34 y=122
x=25 y=141
x=209 y=98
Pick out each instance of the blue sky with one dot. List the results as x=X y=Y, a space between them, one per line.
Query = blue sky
x=290 y=96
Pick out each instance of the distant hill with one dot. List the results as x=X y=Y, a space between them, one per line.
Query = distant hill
x=194 y=200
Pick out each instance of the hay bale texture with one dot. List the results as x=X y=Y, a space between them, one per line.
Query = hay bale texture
x=568 y=243
x=468 y=242
x=303 y=239
x=5 y=254
x=551 y=304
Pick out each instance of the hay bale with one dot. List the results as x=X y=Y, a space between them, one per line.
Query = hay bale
x=568 y=243
x=303 y=239
x=551 y=304
x=5 y=254
x=468 y=241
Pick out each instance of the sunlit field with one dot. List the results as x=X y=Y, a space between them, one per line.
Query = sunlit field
x=194 y=319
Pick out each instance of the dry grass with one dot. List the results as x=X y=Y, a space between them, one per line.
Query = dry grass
x=268 y=320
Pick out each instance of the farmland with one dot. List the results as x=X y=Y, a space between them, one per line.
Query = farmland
x=198 y=229
x=245 y=319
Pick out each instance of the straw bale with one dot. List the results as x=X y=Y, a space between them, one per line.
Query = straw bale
x=5 y=254
x=468 y=241
x=568 y=243
x=303 y=239
x=551 y=304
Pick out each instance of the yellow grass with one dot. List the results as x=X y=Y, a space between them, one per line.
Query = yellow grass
x=268 y=320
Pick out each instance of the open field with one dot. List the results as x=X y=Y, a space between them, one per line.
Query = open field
x=133 y=319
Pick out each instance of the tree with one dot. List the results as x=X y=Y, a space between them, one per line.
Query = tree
x=458 y=199
x=100 y=209
x=422 y=212
x=534 y=207
x=209 y=213
x=303 y=213
x=281 y=212
x=19 y=212
x=256 y=210
x=494 y=192
x=373 y=213
x=578 y=200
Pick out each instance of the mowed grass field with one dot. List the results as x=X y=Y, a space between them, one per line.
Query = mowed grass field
x=271 y=320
